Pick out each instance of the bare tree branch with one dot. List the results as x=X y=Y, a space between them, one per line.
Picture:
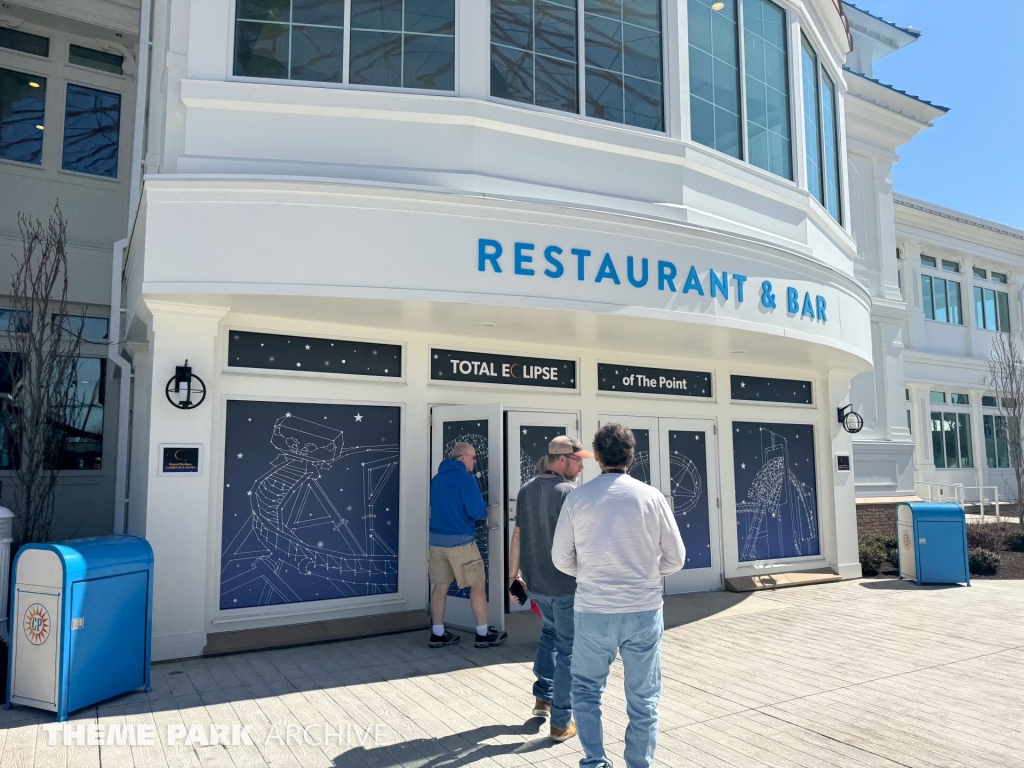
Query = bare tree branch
x=44 y=362
x=1006 y=368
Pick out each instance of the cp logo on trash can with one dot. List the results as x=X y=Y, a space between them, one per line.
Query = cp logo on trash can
x=37 y=624
x=905 y=538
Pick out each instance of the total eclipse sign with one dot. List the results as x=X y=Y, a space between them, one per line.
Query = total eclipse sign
x=486 y=368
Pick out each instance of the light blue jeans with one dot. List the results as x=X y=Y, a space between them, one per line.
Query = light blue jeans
x=554 y=655
x=599 y=636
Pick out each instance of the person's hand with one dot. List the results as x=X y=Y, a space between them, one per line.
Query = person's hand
x=512 y=581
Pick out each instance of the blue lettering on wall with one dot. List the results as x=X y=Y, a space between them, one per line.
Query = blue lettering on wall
x=666 y=276
x=607 y=270
x=522 y=258
x=643 y=272
x=549 y=256
x=580 y=256
x=489 y=254
x=693 y=283
x=490 y=250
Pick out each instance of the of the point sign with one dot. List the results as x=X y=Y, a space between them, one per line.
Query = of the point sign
x=510 y=370
x=652 y=381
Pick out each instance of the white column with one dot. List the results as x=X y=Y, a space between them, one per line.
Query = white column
x=677 y=71
x=474 y=49
x=177 y=507
x=843 y=551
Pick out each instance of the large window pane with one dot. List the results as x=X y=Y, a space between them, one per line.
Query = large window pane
x=953 y=300
x=926 y=297
x=623 y=57
x=979 y=307
x=92 y=124
x=533 y=52
x=714 y=75
x=290 y=39
x=939 y=299
x=949 y=435
x=1003 y=311
x=83 y=443
x=991 y=457
x=765 y=67
x=963 y=421
x=403 y=43
x=812 y=119
x=830 y=146
x=1002 y=446
x=990 y=309
x=22 y=108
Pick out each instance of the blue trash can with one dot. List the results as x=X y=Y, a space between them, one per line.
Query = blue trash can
x=81 y=622
x=932 y=543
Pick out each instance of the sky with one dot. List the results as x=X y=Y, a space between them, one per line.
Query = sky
x=969 y=59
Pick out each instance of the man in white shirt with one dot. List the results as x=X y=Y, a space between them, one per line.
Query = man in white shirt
x=619 y=538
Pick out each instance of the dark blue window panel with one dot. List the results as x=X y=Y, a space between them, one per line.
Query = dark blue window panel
x=104 y=62
x=534 y=51
x=22 y=111
x=403 y=44
x=290 y=39
x=14 y=321
x=92 y=125
x=311 y=495
x=764 y=390
x=776 y=491
x=624 y=67
x=688 y=484
x=16 y=40
x=301 y=353
x=83 y=428
x=641 y=466
x=474 y=432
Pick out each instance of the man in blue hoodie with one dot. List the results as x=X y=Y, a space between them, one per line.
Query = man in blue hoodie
x=456 y=505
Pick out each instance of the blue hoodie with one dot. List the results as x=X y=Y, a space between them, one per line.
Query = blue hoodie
x=455 y=505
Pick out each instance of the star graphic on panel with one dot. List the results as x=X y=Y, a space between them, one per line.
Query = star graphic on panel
x=524 y=431
x=743 y=466
x=288 y=415
x=435 y=357
x=248 y=493
x=307 y=346
x=359 y=417
x=239 y=455
x=697 y=436
x=743 y=385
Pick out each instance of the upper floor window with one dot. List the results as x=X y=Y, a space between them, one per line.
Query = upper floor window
x=991 y=309
x=23 y=42
x=92 y=123
x=22 y=111
x=718 y=115
x=999 y=277
x=950 y=266
x=979 y=273
x=821 y=131
x=100 y=60
x=396 y=43
x=941 y=299
x=535 y=48
x=928 y=261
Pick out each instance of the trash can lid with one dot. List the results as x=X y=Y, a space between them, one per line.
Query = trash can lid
x=100 y=556
x=934 y=509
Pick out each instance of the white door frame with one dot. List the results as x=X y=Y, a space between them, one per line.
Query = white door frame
x=457 y=611
x=516 y=421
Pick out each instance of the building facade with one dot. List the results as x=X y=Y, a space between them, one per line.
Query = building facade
x=68 y=73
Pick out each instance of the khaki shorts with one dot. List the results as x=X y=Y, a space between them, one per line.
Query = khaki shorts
x=462 y=563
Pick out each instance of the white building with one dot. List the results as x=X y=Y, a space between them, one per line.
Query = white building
x=373 y=228
x=67 y=120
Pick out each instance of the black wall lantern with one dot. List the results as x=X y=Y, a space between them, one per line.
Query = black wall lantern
x=852 y=421
x=185 y=390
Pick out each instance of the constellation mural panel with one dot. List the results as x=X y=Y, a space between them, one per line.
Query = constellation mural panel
x=688 y=482
x=776 y=490
x=641 y=466
x=474 y=432
x=311 y=496
x=533 y=450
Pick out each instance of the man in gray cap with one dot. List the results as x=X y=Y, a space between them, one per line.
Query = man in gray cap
x=537 y=507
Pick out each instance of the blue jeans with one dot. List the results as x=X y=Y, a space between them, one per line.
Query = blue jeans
x=599 y=636
x=554 y=655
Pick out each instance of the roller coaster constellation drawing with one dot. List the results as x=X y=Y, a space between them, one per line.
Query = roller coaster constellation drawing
x=776 y=494
x=295 y=523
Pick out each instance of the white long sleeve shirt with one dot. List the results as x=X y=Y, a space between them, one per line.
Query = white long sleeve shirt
x=618 y=537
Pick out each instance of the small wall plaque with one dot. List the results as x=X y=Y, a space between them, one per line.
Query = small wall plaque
x=180 y=459
x=843 y=463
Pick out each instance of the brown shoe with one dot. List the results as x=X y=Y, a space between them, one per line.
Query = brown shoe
x=541 y=708
x=563 y=734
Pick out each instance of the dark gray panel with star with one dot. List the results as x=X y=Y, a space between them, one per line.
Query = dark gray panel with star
x=311 y=502
x=488 y=368
x=764 y=390
x=652 y=381
x=303 y=353
x=776 y=490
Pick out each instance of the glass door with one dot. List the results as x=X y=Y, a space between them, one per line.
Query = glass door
x=479 y=425
x=528 y=435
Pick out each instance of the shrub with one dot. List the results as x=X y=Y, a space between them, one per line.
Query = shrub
x=982 y=562
x=872 y=555
x=990 y=536
x=891 y=550
x=1015 y=540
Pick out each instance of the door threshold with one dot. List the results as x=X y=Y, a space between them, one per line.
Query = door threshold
x=781 y=580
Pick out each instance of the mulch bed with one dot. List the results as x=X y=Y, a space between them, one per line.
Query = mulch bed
x=1011 y=565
